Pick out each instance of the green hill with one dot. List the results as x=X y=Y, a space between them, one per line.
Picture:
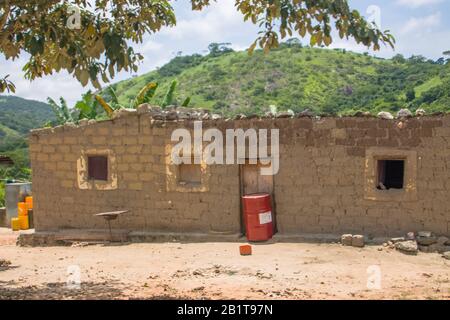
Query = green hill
x=298 y=78
x=22 y=115
x=17 y=117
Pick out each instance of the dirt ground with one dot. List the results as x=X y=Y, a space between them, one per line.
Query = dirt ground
x=217 y=271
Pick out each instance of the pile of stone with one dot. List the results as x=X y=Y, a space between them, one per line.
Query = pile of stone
x=172 y=113
x=424 y=241
x=428 y=242
x=176 y=113
x=401 y=114
x=352 y=240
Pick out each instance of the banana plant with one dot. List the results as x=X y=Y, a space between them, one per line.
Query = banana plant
x=61 y=111
x=114 y=100
x=186 y=102
x=145 y=94
x=113 y=105
x=169 y=96
x=107 y=107
x=87 y=106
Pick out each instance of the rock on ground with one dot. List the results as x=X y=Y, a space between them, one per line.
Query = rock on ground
x=410 y=236
x=424 y=233
x=358 y=241
x=399 y=239
x=407 y=247
x=442 y=241
x=346 y=239
x=426 y=241
x=435 y=247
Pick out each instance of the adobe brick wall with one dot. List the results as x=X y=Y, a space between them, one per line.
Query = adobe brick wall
x=320 y=187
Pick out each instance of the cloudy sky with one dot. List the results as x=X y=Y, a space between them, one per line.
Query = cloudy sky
x=419 y=26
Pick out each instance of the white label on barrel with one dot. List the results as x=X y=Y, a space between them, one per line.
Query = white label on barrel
x=265 y=217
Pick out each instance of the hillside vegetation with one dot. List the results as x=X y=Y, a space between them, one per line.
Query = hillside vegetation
x=22 y=115
x=17 y=117
x=297 y=78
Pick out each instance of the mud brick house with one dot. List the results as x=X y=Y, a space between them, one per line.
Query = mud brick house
x=337 y=175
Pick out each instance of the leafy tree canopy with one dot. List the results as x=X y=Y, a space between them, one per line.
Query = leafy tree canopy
x=216 y=49
x=90 y=39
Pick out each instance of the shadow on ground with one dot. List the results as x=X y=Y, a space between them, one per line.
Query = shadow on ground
x=4 y=268
x=108 y=290
x=11 y=290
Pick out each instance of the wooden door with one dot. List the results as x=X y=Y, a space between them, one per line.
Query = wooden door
x=253 y=182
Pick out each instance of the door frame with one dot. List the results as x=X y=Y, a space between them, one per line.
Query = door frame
x=241 y=193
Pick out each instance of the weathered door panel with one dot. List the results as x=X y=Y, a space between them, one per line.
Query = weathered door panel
x=253 y=182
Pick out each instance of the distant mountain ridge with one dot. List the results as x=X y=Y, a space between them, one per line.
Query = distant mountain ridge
x=17 y=117
x=293 y=77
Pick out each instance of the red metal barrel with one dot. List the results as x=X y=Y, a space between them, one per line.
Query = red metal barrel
x=258 y=216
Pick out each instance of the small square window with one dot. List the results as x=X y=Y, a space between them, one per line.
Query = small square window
x=391 y=174
x=189 y=174
x=98 y=168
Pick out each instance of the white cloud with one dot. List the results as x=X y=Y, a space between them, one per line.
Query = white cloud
x=422 y=24
x=150 y=46
x=54 y=86
x=418 y=3
x=216 y=23
x=222 y=23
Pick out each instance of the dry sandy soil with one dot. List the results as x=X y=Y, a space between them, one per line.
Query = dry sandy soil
x=217 y=271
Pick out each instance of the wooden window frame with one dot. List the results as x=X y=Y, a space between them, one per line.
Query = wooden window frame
x=409 y=191
x=86 y=183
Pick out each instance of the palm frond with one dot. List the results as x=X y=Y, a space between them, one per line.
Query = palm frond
x=56 y=110
x=113 y=95
x=168 y=97
x=109 y=111
x=186 y=102
x=65 y=110
x=145 y=94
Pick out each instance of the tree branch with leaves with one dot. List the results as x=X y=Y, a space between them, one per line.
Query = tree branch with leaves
x=99 y=47
x=6 y=85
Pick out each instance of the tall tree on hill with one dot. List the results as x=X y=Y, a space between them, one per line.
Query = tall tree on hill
x=447 y=53
x=216 y=49
x=90 y=39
